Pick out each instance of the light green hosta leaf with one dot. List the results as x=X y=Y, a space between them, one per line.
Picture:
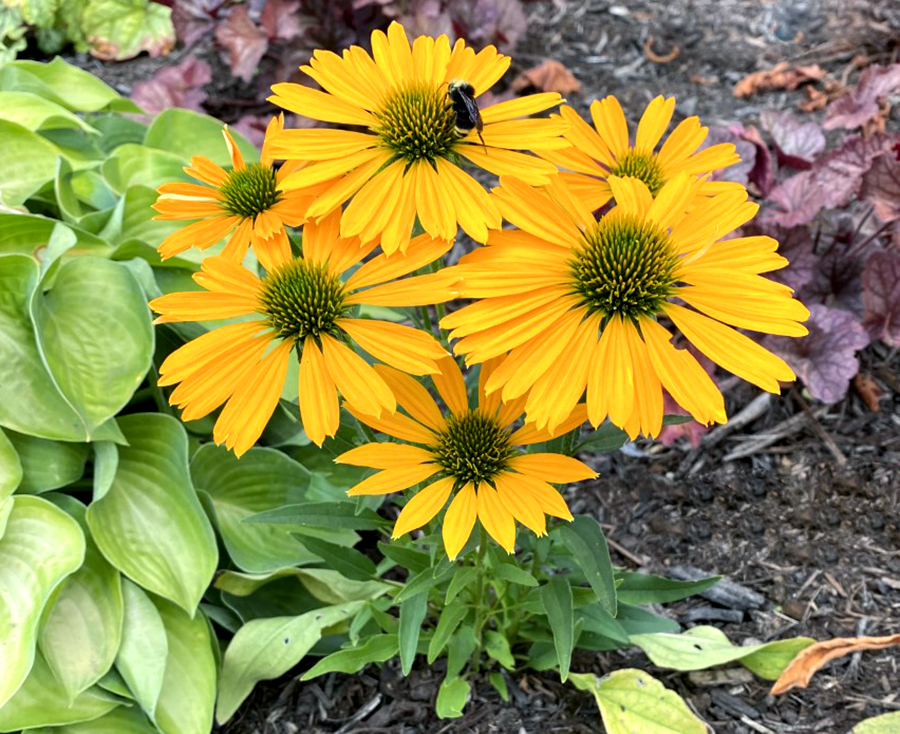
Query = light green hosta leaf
x=64 y=84
x=186 y=133
x=48 y=464
x=185 y=704
x=884 y=724
x=95 y=334
x=150 y=524
x=29 y=161
x=266 y=648
x=326 y=585
x=82 y=625
x=144 y=650
x=122 y=720
x=28 y=234
x=6 y=507
x=10 y=467
x=631 y=701
x=29 y=399
x=40 y=547
x=705 y=646
x=36 y=113
x=138 y=165
x=42 y=701
x=262 y=479
x=138 y=221
x=121 y=29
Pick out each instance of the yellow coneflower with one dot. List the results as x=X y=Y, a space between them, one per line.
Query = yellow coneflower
x=246 y=202
x=405 y=162
x=598 y=152
x=301 y=306
x=577 y=302
x=471 y=455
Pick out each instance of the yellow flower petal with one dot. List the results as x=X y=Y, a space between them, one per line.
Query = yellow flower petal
x=423 y=506
x=449 y=383
x=385 y=456
x=422 y=250
x=413 y=397
x=611 y=125
x=653 y=123
x=547 y=498
x=396 y=425
x=318 y=105
x=459 y=521
x=611 y=383
x=527 y=168
x=520 y=107
x=393 y=480
x=319 y=409
x=554 y=468
x=403 y=347
x=495 y=518
x=521 y=505
x=420 y=290
x=360 y=385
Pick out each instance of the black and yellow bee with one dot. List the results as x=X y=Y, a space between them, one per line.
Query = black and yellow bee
x=462 y=101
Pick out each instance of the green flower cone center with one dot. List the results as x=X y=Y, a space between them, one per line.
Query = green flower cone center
x=643 y=166
x=416 y=123
x=300 y=299
x=474 y=448
x=624 y=266
x=250 y=190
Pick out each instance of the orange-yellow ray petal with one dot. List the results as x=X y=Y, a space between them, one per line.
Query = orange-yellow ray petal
x=422 y=250
x=385 y=456
x=394 y=480
x=511 y=109
x=318 y=105
x=420 y=290
x=423 y=506
x=413 y=397
x=495 y=518
x=554 y=468
x=400 y=346
x=449 y=383
x=360 y=385
x=501 y=162
x=653 y=123
x=459 y=521
x=609 y=120
x=396 y=425
x=319 y=408
x=521 y=505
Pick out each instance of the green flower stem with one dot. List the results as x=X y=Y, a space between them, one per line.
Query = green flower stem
x=480 y=610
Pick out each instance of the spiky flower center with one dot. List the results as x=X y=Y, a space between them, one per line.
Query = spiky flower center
x=250 y=190
x=624 y=266
x=417 y=123
x=302 y=299
x=643 y=166
x=474 y=448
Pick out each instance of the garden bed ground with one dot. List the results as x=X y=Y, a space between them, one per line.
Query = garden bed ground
x=810 y=521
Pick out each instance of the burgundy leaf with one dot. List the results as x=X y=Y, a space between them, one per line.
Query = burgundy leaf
x=795 y=244
x=762 y=174
x=498 y=22
x=193 y=18
x=427 y=17
x=825 y=359
x=174 y=86
x=244 y=41
x=831 y=182
x=796 y=142
x=281 y=19
x=740 y=171
x=881 y=296
x=861 y=105
x=881 y=187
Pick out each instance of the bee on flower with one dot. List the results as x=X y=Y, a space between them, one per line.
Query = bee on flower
x=469 y=454
x=416 y=121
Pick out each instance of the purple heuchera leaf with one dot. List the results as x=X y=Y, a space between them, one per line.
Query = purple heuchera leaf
x=244 y=40
x=795 y=244
x=761 y=175
x=797 y=143
x=881 y=186
x=740 y=171
x=836 y=281
x=174 y=86
x=861 y=105
x=831 y=182
x=281 y=19
x=498 y=22
x=881 y=296
x=193 y=18
x=825 y=359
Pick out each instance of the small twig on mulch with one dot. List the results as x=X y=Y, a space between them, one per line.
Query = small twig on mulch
x=817 y=427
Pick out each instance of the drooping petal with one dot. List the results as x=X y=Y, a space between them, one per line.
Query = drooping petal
x=449 y=383
x=393 y=480
x=413 y=397
x=360 y=385
x=319 y=409
x=495 y=518
x=423 y=506
x=400 y=346
x=521 y=505
x=459 y=521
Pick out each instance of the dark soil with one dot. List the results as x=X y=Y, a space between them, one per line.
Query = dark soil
x=811 y=519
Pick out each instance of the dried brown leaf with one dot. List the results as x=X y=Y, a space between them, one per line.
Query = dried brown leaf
x=815 y=657
x=868 y=390
x=548 y=76
x=780 y=76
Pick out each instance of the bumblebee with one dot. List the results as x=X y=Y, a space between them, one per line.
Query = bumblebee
x=464 y=106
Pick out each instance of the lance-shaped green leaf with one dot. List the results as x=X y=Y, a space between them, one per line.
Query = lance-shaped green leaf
x=10 y=467
x=584 y=538
x=640 y=588
x=122 y=720
x=150 y=524
x=262 y=479
x=556 y=598
x=266 y=648
x=40 y=547
x=631 y=701
x=142 y=656
x=705 y=646
x=81 y=627
x=188 y=694
x=48 y=464
x=95 y=336
x=376 y=649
